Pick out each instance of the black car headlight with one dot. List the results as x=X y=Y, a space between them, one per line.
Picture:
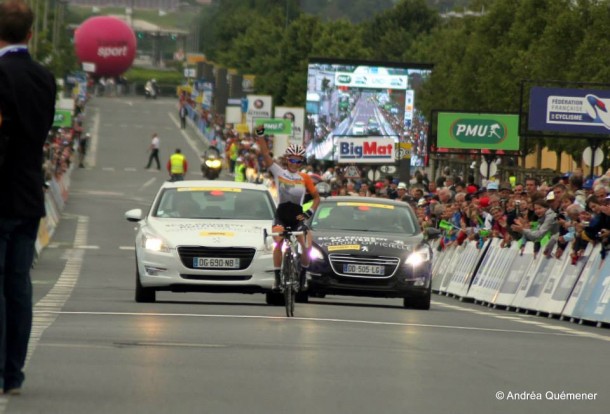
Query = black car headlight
x=315 y=254
x=418 y=257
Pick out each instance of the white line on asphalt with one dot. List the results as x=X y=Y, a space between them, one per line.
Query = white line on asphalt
x=47 y=309
x=147 y=184
x=91 y=158
x=127 y=248
x=186 y=136
x=527 y=320
x=331 y=320
x=108 y=169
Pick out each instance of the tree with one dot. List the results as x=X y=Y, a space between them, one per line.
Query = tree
x=392 y=31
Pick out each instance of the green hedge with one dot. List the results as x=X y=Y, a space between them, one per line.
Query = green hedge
x=165 y=77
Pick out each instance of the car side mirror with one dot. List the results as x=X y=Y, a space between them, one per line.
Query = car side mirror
x=134 y=215
x=431 y=233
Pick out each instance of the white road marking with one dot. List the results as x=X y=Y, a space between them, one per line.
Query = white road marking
x=46 y=310
x=330 y=320
x=108 y=169
x=527 y=320
x=190 y=141
x=127 y=248
x=130 y=169
x=147 y=184
x=91 y=157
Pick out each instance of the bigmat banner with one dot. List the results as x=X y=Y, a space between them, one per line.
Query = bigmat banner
x=373 y=150
x=582 y=111
x=465 y=130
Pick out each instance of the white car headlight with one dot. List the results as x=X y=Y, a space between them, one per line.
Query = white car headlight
x=418 y=257
x=315 y=254
x=154 y=243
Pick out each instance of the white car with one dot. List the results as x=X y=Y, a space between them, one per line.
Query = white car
x=204 y=236
x=359 y=128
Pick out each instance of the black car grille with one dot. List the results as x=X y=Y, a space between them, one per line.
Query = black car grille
x=390 y=264
x=187 y=253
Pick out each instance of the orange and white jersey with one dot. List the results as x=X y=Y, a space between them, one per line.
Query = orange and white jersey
x=291 y=187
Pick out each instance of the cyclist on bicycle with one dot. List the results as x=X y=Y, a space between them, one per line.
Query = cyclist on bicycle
x=291 y=185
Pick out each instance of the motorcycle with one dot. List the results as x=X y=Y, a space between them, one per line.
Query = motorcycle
x=150 y=90
x=211 y=164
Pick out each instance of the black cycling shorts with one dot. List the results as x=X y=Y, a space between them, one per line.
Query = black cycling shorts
x=286 y=215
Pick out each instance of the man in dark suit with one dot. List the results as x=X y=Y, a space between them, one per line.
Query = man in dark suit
x=27 y=108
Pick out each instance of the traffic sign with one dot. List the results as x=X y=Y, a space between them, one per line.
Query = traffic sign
x=387 y=169
x=588 y=153
x=493 y=169
x=351 y=171
x=374 y=175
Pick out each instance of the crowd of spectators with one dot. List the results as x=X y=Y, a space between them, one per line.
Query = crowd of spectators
x=63 y=145
x=559 y=217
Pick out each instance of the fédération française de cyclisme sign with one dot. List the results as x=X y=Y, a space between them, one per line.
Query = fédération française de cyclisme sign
x=463 y=130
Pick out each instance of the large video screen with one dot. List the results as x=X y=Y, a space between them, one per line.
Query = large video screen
x=363 y=99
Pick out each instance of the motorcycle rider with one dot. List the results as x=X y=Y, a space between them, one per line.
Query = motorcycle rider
x=211 y=163
x=151 y=88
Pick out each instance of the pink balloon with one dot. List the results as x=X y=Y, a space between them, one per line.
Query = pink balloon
x=107 y=42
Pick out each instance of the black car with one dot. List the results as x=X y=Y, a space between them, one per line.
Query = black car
x=373 y=128
x=365 y=246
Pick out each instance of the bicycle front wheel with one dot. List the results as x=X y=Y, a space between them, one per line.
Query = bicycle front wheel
x=288 y=271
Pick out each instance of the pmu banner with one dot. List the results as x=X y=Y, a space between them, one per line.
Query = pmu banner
x=468 y=130
x=62 y=118
x=297 y=116
x=582 y=111
x=275 y=126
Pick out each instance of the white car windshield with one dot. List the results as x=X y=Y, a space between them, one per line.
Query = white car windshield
x=365 y=217
x=214 y=203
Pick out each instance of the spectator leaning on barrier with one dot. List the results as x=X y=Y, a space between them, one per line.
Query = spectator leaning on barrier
x=567 y=230
x=547 y=224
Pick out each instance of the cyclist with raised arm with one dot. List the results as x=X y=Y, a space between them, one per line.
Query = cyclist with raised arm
x=291 y=185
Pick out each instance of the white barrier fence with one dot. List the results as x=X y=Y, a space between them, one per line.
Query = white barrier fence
x=518 y=279
x=54 y=199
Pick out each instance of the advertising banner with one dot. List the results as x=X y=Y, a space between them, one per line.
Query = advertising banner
x=374 y=150
x=297 y=116
x=259 y=106
x=233 y=114
x=467 y=130
x=62 y=119
x=582 y=111
x=275 y=126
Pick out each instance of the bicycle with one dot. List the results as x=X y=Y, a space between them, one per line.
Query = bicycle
x=291 y=266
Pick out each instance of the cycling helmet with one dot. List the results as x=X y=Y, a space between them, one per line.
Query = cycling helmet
x=295 y=151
